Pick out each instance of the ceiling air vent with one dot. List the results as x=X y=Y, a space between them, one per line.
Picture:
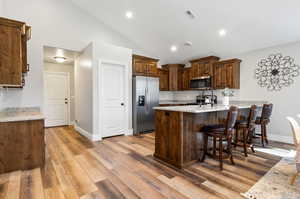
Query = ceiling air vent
x=190 y=14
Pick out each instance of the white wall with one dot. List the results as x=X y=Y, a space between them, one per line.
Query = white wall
x=87 y=86
x=1 y=8
x=84 y=91
x=286 y=102
x=108 y=52
x=57 y=23
x=69 y=68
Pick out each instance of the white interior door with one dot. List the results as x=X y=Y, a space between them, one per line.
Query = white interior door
x=56 y=87
x=113 y=97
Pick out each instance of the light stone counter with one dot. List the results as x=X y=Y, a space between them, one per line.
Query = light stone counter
x=20 y=114
x=209 y=108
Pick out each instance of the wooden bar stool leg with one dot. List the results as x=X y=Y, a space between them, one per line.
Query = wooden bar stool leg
x=230 y=150
x=265 y=131
x=236 y=138
x=214 y=146
x=221 y=152
x=245 y=142
x=262 y=135
x=205 y=141
x=293 y=179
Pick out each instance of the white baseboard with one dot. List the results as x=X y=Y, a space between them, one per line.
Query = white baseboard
x=87 y=134
x=280 y=138
x=129 y=132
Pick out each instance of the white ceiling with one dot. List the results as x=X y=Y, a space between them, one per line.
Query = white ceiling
x=158 y=24
x=51 y=52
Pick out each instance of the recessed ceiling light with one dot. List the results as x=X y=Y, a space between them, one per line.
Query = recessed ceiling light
x=222 y=32
x=173 y=48
x=129 y=14
x=60 y=59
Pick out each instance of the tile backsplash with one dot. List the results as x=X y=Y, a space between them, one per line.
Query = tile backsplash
x=191 y=95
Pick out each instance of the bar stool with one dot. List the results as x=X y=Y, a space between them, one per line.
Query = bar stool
x=263 y=121
x=221 y=133
x=246 y=127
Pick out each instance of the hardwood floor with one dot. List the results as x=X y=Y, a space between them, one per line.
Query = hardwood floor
x=123 y=167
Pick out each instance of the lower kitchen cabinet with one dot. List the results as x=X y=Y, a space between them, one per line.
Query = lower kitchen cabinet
x=22 y=145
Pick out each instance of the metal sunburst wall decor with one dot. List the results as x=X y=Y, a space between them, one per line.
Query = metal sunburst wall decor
x=276 y=72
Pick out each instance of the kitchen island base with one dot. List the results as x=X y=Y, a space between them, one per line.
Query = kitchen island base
x=176 y=140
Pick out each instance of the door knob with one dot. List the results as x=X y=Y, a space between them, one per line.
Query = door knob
x=122 y=104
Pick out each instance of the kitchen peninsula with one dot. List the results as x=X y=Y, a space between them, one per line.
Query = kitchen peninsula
x=176 y=141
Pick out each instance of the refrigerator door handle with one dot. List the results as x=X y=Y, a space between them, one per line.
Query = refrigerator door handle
x=146 y=100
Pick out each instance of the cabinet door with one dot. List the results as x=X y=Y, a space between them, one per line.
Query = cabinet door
x=173 y=78
x=180 y=79
x=10 y=56
x=186 y=77
x=195 y=70
x=139 y=68
x=229 y=75
x=207 y=69
x=163 y=80
x=152 y=69
x=218 y=77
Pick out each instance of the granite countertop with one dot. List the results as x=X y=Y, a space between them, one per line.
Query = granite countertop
x=20 y=114
x=162 y=102
x=208 y=108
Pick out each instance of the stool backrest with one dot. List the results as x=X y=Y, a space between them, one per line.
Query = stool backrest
x=296 y=130
x=266 y=112
x=252 y=116
x=231 y=118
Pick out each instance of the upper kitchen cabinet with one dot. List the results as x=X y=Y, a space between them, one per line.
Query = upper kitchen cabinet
x=13 y=52
x=186 y=78
x=203 y=66
x=163 y=74
x=227 y=74
x=144 y=66
x=175 y=76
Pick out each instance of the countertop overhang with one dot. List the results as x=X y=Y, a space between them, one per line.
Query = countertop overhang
x=209 y=108
x=21 y=114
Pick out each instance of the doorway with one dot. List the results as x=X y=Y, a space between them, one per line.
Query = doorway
x=59 y=91
x=57 y=95
x=113 y=100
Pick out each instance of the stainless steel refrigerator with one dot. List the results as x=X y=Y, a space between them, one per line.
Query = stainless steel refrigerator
x=145 y=97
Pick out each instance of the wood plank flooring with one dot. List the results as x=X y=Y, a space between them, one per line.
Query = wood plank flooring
x=123 y=167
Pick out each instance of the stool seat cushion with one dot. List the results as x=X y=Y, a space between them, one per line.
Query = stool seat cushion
x=213 y=128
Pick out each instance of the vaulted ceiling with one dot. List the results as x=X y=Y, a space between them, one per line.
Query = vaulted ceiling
x=158 y=24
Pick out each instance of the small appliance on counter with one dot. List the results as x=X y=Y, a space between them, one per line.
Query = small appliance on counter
x=205 y=99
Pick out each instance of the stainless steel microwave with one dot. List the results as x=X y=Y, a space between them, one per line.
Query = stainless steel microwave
x=201 y=83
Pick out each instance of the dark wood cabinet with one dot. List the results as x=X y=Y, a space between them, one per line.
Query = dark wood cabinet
x=203 y=66
x=144 y=66
x=163 y=79
x=227 y=74
x=175 y=76
x=186 y=78
x=13 y=52
x=22 y=145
